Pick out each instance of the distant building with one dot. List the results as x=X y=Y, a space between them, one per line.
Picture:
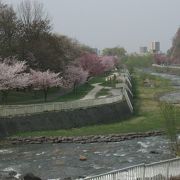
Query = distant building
x=155 y=47
x=97 y=51
x=143 y=50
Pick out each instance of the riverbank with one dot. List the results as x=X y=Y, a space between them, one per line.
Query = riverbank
x=175 y=70
x=82 y=139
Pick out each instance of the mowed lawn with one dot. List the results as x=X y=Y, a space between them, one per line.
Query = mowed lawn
x=147 y=118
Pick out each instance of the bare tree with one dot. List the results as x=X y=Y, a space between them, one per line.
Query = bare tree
x=8 y=26
x=33 y=19
x=33 y=25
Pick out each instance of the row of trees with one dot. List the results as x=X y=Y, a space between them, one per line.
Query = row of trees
x=162 y=59
x=165 y=59
x=16 y=75
x=27 y=34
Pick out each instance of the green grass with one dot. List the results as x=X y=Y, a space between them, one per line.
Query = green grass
x=99 y=79
x=28 y=97
x=138 y=61
x=135 y=124
x=54 y=95
x=145 y=122
x=148 y=117
x=109 y=84
x=80 y=92
x=103 y=92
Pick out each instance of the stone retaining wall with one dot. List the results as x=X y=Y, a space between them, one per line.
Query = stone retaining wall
x=67 y=119
x=83 y=139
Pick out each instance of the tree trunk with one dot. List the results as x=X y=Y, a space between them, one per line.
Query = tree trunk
x=4 y=97
x=74 y=87
x=45 y=95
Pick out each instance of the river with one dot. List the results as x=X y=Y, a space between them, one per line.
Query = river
x=53 y=161
x=172 y=97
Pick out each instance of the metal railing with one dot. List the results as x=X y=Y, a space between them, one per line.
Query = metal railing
x=155 y=171
x=13 y=110
x=162 y=66
x=128 y=99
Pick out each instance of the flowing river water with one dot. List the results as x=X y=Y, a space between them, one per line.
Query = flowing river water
x=59 y=161
x=172 y=97
x=53 y=161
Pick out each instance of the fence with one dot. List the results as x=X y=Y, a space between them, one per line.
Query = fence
x=128 y=100
x=170 y=67
x=155 y=171
x=14 y=110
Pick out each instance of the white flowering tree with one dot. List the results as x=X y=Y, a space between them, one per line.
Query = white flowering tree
x=44 y=81
x=12 y=76
x=75 y=76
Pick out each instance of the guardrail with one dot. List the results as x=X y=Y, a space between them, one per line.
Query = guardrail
x=13 y=110
x=155 y=171
x=163 y=66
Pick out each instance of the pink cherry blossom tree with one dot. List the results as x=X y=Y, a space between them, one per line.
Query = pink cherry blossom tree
x=44 y=81
x=91 y=63
x=161 y=59
x=108 y=62
x=75 y=76
x=12 y=76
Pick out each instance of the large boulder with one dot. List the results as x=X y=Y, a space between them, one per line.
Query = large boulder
x=82 y=158
x=30 y=176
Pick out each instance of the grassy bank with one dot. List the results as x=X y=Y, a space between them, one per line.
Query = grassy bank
x=54 y=95
x=147 y=118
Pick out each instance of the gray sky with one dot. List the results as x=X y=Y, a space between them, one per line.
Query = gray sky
x=109 y=23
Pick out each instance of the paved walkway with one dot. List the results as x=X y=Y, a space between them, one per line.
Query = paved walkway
x=116 y=92
x=98 y=87
x=93 y=92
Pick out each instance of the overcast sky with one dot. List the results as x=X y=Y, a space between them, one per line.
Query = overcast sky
x=109 y=23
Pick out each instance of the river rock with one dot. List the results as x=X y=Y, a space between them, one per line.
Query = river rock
x=82 y=158
x=68 y=178
x=154 y=152
x=31 y=176
x=84 y=139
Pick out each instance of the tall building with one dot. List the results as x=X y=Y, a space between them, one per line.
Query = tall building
x=97 y=51
x=155 y=47
x=143 y=50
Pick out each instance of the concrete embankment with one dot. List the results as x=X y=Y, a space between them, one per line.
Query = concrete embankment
x=102 y=114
